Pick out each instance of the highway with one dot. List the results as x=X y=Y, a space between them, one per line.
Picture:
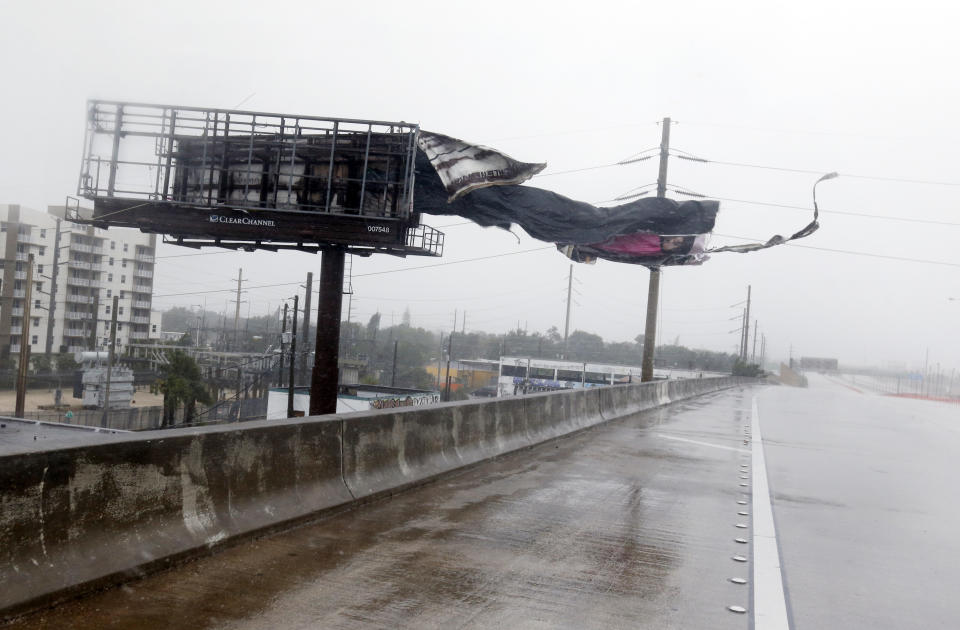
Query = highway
x=643 y=522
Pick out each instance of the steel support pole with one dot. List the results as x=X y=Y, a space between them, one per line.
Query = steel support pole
x=323 y=386
x=653 y=289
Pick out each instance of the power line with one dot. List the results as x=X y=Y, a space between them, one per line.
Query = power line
x=853 y=253
x=372 y=273
x=840 y=212
x=901 y=180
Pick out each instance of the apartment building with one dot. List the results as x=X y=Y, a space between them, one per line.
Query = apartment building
x=77 y=271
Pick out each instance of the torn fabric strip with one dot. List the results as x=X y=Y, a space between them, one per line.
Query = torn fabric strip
x=464 y=167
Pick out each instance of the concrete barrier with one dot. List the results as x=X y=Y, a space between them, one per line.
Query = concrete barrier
x=91 y=514
x=75 y=518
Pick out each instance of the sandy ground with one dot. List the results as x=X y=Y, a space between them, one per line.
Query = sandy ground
x=37 y=397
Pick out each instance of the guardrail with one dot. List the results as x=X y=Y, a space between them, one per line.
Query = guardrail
x=91 y=515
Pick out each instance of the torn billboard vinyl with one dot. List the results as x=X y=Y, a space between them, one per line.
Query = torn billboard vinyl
x=482 y=185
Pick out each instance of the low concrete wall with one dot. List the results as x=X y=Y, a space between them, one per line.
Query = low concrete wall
x=82 y=515
x=74 y=518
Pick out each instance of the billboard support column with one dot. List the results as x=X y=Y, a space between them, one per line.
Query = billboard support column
x=323 y=386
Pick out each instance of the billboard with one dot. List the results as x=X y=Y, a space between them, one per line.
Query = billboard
x=252 y=180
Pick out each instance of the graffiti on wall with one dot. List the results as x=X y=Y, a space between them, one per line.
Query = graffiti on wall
x=405 y=401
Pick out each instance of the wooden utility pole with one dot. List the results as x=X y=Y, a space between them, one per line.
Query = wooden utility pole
x=446 y=389
x=113 y=349
x=293 y=356
x=307 y=302
x=48 y=349
x=653 y=290
x=746 y=327
x=24 y=342
x=236 y=317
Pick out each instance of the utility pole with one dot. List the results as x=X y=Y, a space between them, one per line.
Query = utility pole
x=393 y=372
x=746 y=327
x=24 y=342
x=113 y=349
x=653 y=290
x=283 y=334
x=566 y=321
x=446 y=395
x=293 y=356
x=440 y=359
x=96 y=320
x=753 y=355
x=236 y=317
x=53 y=291
x=306 y=327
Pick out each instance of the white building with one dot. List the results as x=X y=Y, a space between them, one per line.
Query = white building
x=77 y=271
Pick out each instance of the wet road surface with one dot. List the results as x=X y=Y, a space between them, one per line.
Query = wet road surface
x=865 y=494
x=627 y=525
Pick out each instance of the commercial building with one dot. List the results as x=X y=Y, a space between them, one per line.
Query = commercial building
x=77 y=271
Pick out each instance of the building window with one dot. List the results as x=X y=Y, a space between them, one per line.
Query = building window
x=36 y=304
x=124 y=264
x=123 y=279
x=120 y=310
x=119 y=326
x=43 y=233
x=113 y=244
x=39 y=268
x=3 y=227
x=126 y=247
x=109 y=277
x=111 y=262
x=34 y=340
x=36 y=321
x=121 y=295
x=154 y=328
x=109 y=291
x=108 y=310
x=43 y=251
x=39 y=286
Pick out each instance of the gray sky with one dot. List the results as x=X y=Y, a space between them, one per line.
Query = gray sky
x=862 y=88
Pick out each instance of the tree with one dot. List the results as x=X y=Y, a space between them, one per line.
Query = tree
x=180 y=383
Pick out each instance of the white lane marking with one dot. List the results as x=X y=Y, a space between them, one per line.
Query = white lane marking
x=769 y=602
x=726 y=448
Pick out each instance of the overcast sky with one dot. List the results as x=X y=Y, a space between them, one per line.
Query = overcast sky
x=861 y=88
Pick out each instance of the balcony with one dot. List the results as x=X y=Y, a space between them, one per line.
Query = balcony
x=140 y=304
x=19 y=293
x=16 y=330
x=15 y=349
x=20 y=275
x=147 y=258
x=80 y=299
x=142 y=273
x=16 y=312
x=86 y=249
x=22 y=256
x=78 y=315
x=80 y=264
x=76 y=349
x=139 y=335
x=140 y=320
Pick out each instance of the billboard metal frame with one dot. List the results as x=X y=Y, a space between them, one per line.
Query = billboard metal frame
x=252 y=180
